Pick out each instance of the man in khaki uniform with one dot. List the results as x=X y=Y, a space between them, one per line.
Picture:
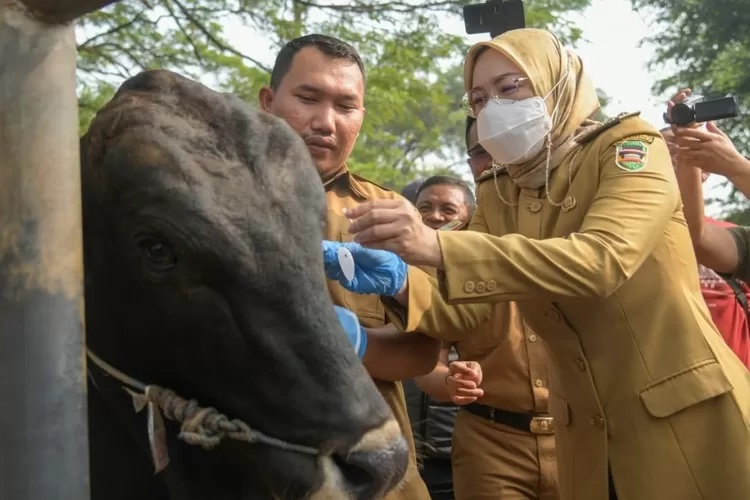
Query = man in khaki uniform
x=317 y=86
x=504 y=443
x=600 y=262
x=517 y=457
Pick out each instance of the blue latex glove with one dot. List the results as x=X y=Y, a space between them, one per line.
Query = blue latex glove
x=375 y=271
x=357 y=335
x=330 y=257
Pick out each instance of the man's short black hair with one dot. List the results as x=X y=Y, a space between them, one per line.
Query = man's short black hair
x=330 y=46
x=411 y=190
x=469 y=123
x=447 y=180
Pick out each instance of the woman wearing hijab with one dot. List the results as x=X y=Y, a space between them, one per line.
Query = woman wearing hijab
x=587 y=235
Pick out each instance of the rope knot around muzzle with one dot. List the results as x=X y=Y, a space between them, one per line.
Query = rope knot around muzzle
x=200 y=426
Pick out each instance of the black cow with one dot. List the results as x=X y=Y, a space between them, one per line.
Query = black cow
x=202 y=225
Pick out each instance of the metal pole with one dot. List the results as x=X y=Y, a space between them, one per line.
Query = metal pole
x=44 y=439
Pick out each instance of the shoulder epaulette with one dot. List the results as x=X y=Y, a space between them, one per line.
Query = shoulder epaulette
x=594 y=133
x=368 y=181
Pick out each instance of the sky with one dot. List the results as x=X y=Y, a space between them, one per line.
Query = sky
x=607 y=47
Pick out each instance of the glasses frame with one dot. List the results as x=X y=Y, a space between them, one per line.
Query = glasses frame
x=476 y=151
x=466 y=103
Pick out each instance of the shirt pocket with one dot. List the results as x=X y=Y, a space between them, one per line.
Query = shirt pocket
x=698 y=383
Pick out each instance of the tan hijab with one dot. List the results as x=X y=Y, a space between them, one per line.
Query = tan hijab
x=545 y=61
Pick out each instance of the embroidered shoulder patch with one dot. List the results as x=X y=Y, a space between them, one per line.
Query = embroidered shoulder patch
x=631 y=155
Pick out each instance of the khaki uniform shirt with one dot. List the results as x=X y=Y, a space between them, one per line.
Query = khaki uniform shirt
x=514 y=361
x=608 y=276
x=347 y=190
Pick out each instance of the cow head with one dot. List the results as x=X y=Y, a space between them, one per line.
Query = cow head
x=203 y=223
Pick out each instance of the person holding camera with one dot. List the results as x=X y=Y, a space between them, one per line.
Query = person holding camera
x=702 y=150
x=698 y=150
x=586 y=235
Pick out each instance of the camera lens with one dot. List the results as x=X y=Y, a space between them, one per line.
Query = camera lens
x=682 y=114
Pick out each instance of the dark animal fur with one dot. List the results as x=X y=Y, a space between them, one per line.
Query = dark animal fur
x=242 y=323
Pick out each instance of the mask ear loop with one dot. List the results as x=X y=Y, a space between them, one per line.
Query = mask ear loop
x=495 y=169
x=563 y=80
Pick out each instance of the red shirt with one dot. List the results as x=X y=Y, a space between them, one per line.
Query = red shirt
x=726 y=311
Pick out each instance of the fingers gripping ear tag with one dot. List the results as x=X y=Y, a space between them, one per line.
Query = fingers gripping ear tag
x=346 y=262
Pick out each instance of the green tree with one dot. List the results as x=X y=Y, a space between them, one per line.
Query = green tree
x=706 y=46
x=602 y=116
x=414 y=124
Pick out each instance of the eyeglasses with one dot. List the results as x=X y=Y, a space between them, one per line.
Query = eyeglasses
x=503 y=87
x=478 y=156
x=476 y=152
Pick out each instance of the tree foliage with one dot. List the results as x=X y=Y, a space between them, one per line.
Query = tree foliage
x=706 y=46
x=414 y=84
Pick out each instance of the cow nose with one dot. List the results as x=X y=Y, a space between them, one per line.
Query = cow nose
x=376 y=464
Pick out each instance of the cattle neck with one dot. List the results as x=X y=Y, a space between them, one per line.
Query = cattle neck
x=204 y=427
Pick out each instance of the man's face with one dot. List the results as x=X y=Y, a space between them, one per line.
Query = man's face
x=322 y=99
x=479 y=159
x=442 y=203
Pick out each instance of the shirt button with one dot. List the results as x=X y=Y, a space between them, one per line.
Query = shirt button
x=534 y=207
x=481 y=287
x=581 y=364
x=469 y=287
x=538 y=383
x=568 y=204
x=532 y=337
x=491 y=285
x=597 y=421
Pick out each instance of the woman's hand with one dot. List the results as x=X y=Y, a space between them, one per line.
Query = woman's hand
x=395 y=225
x=463 y=382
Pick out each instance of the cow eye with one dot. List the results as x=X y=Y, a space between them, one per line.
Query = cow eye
x=160 y=255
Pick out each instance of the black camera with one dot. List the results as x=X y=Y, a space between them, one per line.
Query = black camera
x=494 y=17
x=698 y=110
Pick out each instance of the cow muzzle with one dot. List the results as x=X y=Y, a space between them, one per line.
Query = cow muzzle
x=369 y=469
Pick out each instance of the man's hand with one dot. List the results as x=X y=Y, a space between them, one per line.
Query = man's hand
x=463 y=382
x=395 y=225
x=375 y=271
x=710 y=150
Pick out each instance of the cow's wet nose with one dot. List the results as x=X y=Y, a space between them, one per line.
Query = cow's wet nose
x=376 y=464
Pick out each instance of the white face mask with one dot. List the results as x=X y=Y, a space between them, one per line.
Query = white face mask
x=513 y=131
